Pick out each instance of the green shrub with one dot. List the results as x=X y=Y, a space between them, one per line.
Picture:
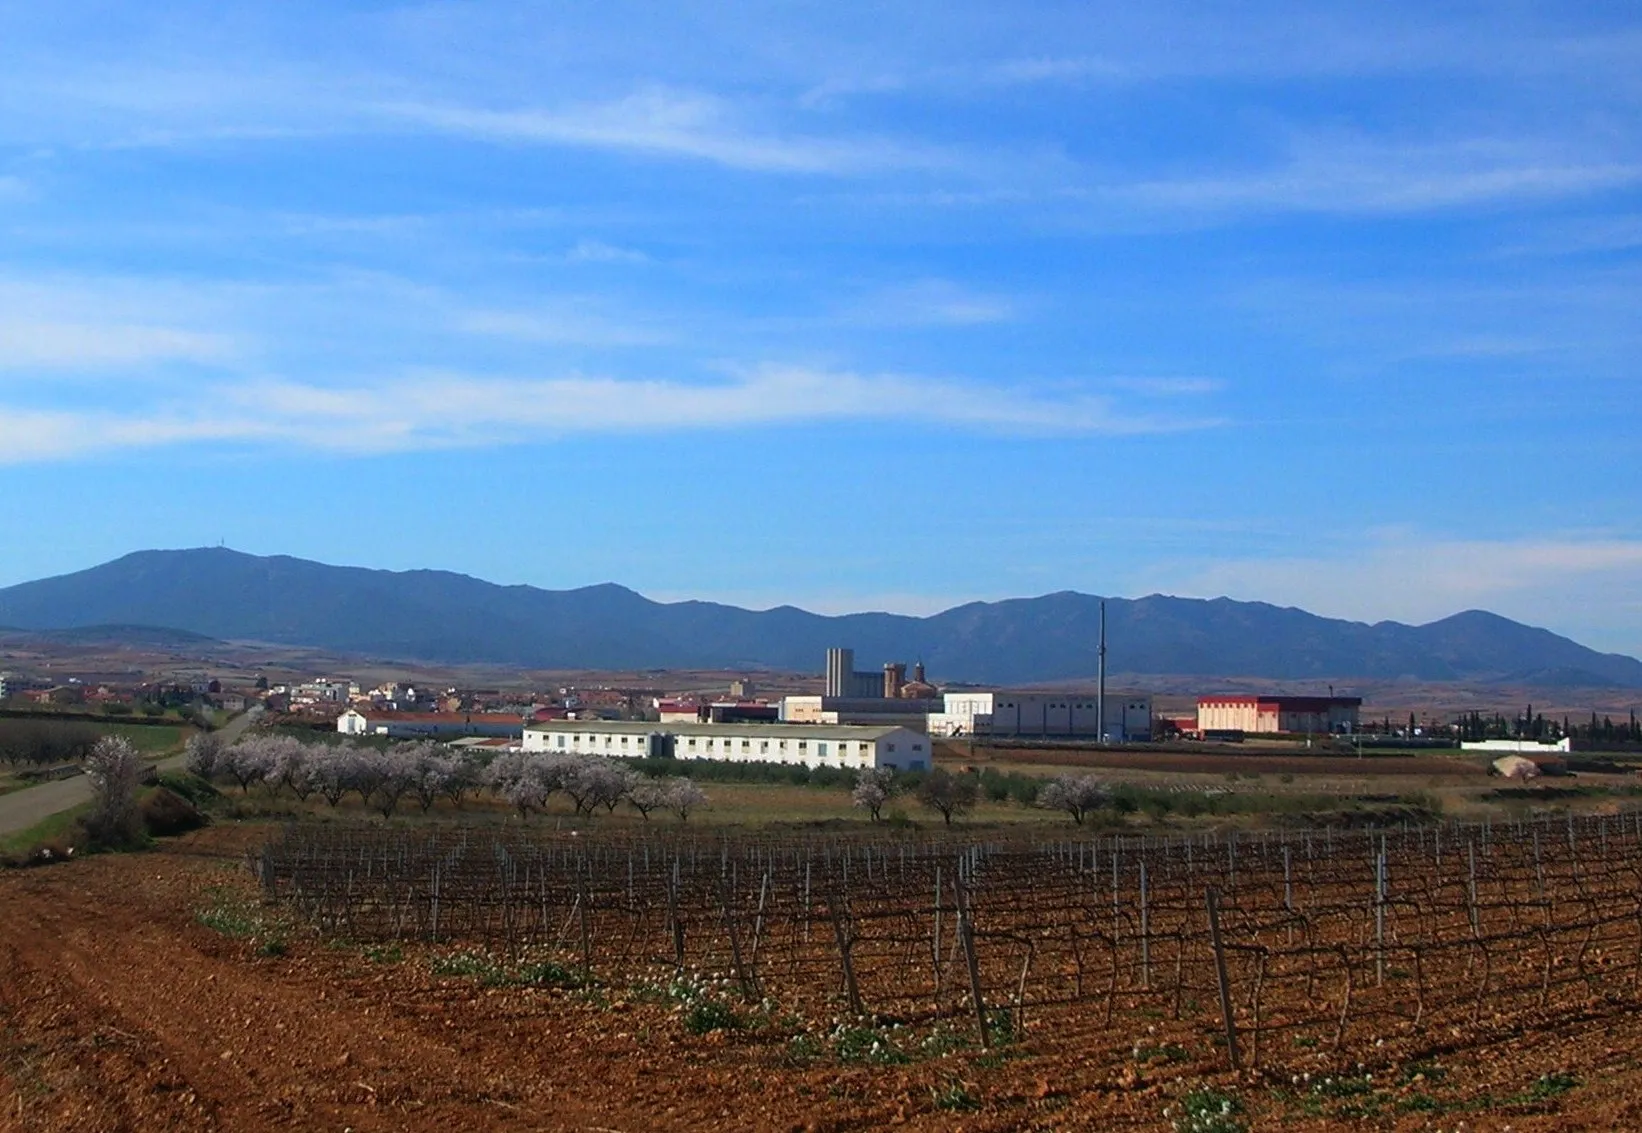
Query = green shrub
x=710 y=1015
x=165 y=813
x=1207 y=1110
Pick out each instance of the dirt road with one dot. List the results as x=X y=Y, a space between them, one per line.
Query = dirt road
x=21 y=809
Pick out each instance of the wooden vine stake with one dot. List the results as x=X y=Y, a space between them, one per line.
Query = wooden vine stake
x=843 y=936
x=966 y=937
x=1213 y=900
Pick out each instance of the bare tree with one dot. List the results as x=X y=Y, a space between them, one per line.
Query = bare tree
x=873 y=788
x=202 y=753
x=288 y=765
x=330 y=770
x=114 y=768
x=683 y=796
x=645 y=794
x=434 y=769
x=247 y=762
x=465 y=775
x=394 y=772
x=594 y=781
x=1077 y=795
x=527 y=781
x=948 y=793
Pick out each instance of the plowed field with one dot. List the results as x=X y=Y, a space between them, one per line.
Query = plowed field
x=119 y=1010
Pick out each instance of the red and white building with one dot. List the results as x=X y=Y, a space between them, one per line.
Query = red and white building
x=1278 y=715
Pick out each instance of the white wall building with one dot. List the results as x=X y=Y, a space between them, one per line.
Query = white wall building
x=1046 y=714
x=813 y=745
x=1520 y=747
x=877 y=710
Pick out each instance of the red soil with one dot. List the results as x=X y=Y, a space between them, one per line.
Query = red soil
x=119 y=1011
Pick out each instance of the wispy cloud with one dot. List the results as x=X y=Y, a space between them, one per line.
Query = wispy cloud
x=564 y=325
x=1413 y=577
x=1168 y=387
x=35 y=345
x=1355 y=176
x=1580 y=236
x=448 y=410
x=930 y=302
x=598 y=252
x=99 y=323
x=682 y=124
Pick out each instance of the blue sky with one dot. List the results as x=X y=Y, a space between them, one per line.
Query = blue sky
x=853 y=306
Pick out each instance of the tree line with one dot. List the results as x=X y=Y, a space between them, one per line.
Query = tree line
x=41 y=743
x=421 y=772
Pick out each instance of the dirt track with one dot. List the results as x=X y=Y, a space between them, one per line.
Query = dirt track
x=118 y=1011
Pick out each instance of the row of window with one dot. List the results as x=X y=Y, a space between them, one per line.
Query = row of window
x=726 y=745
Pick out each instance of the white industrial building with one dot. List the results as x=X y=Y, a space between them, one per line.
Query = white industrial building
x=872 y=710
x=1521 y=747
x=1045 y=714
x=813 y=745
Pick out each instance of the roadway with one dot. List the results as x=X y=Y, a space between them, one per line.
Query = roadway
x=21 y=809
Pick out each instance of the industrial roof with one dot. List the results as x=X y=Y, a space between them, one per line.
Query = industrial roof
x=751 y=731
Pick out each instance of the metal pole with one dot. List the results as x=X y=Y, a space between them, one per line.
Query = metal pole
x=1100 y=696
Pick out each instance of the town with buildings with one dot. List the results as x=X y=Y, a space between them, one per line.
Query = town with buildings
x=885 y=718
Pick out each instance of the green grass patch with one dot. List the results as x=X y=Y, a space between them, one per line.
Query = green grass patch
x=196 y=790
x=1552 y=1085
x=150 y=739
x=54 y=828
x=710 y=1015
x=954 y=1097
x=1207 y=1110
x=231 y=915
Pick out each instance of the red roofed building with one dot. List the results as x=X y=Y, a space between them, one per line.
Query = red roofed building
x=1278 y=715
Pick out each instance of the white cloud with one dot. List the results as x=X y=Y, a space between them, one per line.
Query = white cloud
x=98 y=323
x=567 y=326
x=598 y=252
x=930 y=302
x=1354 y=176
x=62 y=345
x=669 y=123
x=1168 y=387
x=456 y=410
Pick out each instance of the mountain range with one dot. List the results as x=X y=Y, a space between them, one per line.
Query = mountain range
x=438 y=616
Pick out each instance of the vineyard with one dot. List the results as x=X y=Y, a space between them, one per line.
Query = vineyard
x=1363 y=946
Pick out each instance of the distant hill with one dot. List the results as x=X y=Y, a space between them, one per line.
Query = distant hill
x=450 y=618
x=157 y=637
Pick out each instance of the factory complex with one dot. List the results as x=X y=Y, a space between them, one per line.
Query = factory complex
x=885 y=719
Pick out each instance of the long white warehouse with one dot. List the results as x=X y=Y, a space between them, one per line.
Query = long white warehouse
x=1127 y=716
x=813 y=745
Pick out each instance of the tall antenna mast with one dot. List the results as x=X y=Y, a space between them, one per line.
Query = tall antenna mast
x=1100 y=697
